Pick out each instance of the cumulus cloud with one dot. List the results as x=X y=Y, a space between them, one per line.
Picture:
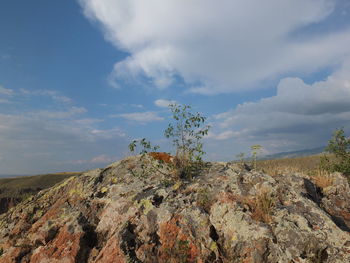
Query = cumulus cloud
x=299 y=116
x=164 y=103
x=217 y=47
x=147 y=116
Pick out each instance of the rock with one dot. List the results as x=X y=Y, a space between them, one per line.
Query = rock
x=8 y=202
x=226 y=213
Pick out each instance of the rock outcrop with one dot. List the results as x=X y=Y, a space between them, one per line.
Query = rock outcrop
x=7 y=202
x=129 y=213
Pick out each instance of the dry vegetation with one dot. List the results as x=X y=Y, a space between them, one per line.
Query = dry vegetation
x=308 y=165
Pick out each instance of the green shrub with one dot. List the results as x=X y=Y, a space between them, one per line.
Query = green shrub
x=339 y=147
x=147 y=166
x=186 y=131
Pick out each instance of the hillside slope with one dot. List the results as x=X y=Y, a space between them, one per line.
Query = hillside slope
x=294 y=154
x=16 y=189
x=225 y=214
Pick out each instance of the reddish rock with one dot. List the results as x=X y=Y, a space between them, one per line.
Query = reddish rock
x=111 y=253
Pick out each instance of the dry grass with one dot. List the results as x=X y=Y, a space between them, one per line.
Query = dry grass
x=323 y=179
x=307 y=164
x=262 y=206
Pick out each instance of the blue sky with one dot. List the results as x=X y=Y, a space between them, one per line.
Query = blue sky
x=80 y=79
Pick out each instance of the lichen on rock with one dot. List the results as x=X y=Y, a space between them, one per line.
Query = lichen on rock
x=224 y=214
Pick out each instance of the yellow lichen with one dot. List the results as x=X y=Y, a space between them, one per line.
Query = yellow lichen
x=234 y=238
x=114 y=180
x=213 y=246
x=78 y=191
x=177 y=185
x=104 y=190
x=146 y=205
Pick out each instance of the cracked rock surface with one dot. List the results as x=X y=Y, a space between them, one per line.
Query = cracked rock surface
x=224 y=214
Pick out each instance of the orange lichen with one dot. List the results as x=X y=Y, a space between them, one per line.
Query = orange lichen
x=111 y=253
x=162 y=156
x=177 y=244
x=64 y=248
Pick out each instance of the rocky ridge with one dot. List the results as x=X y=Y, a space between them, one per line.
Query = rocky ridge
x=226 y=213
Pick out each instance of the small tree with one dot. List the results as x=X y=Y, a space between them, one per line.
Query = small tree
x=187 y=132
x=339 y=146
x=255 y=150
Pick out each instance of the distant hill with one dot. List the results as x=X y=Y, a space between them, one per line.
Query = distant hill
x=15 y=189
x=293 y=154
x=11 y=175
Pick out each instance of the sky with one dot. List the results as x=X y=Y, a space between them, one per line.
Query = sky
x=80 y=79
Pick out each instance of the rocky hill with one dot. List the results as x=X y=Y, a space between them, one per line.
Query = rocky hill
x=16 y=189
x=131 y=213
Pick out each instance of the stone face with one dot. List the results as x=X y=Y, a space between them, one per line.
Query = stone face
x=125 y=213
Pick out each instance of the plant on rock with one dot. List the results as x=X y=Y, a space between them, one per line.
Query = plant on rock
x=255 y=150
x=187 y=132
x=147 y=167
x=146 y=146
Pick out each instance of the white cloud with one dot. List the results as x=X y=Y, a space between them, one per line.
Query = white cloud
x=217 y=46
x=224 y=135
x=46 y=136
x=298 y=116
x=100 y=159
x=32 y=144
x=4 y=91
x=54 y=95
x=70 y=112
x=164 y=103
x=147 y=116
x=115 y=132
x=137 y=106
x=5 y=101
